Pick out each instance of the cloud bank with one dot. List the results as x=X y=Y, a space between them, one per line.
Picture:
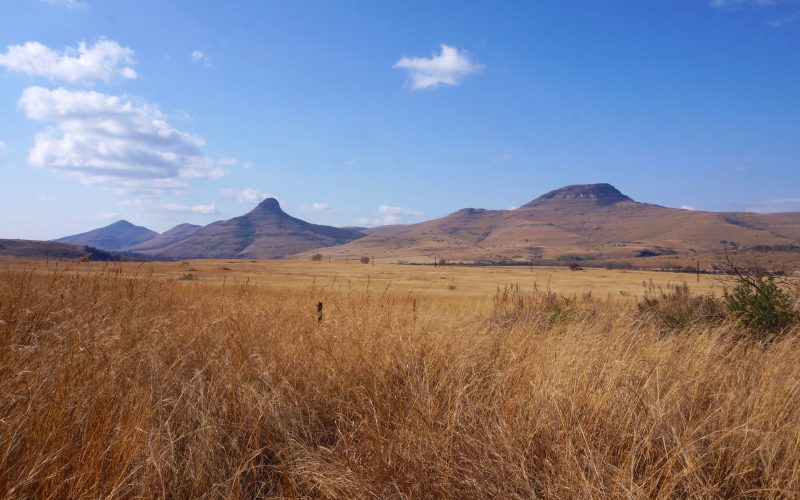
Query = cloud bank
x=114 y=142
x=105 y=61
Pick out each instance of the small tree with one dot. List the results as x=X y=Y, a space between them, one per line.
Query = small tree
x=364 y=260
x=760 y=299
x=316 y=257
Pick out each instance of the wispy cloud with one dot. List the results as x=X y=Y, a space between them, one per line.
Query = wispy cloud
x=193 y=209
x=106 y=216
x=316 y=207
x=777 y=205
x=70 y=4
x=790 y=19
x=3 y=147
x=505 y=157
x=688 y=207
x=734 y=4
x=105 y=61
x=448 y=67
x=246 y=196
x=389 y=215
x=201 y=57
x=114 y=142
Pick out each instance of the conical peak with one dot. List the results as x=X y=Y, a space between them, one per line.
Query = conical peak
x=270 y=205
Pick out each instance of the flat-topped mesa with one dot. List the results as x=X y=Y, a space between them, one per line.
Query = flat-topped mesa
x=600 y=194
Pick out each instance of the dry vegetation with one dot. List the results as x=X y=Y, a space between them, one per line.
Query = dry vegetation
x=118 y=383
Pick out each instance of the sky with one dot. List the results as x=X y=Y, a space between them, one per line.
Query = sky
x=367 y=113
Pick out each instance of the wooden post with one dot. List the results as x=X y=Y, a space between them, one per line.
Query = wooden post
x=698 y=271
x=319 y=312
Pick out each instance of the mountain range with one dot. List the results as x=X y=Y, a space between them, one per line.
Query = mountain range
x=590 y=223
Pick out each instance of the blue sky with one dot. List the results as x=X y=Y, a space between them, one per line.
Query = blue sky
x=363 y=113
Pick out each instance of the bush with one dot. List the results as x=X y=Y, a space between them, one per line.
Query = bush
x=675 y=307
x=573 y=266
x=364 y=260
x=761 y=304
x=760 y=299
x=316 y=257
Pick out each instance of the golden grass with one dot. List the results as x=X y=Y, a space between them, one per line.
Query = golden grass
x=120 y=384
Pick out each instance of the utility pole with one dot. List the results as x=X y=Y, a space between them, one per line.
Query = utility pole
x=698 y=271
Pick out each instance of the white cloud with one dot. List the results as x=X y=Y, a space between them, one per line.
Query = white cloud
x=350 y=163
x=388 y=215
x=113 y=142
x=392 y=210
x=107 y=216
x=106 y=60
x=3 y=147
x=688 y=207
x=389 y=209
x=449 y=67
x=246 y=196
x=316 y=207
x=201 y=57
x=71 y=4
x=194 y=209
x=779 y=205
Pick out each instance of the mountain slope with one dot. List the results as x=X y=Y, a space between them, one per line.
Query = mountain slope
x=167 y=238
x=264 y=233
x=33 y=249
x=593 y=222
x=117 y=236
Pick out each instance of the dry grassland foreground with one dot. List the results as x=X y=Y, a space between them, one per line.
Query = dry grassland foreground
x=218 y=379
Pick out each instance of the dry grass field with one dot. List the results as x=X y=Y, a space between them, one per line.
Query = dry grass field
x=218 y=379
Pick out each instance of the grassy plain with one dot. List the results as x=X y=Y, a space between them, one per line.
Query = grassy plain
x=474 y=284
x=216 y=378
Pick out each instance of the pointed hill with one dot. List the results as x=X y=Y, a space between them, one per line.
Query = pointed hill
x=266 y=232
x=117 y=236
x=589 y=222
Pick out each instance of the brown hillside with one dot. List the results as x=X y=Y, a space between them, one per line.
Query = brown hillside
x=593 y=223
x=264 y=233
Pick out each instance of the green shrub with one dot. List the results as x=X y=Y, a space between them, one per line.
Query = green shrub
x=760 y=303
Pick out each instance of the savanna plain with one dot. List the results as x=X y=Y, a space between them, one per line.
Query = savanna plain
x=244 y=379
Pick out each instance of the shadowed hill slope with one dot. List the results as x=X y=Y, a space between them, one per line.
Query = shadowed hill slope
x=265 y=232
x=117 y=236
x=167 y=238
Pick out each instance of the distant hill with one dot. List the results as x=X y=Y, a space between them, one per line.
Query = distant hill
x=590 y=223
x=32 y=249
x=167 y=238
x=266 y=232
x=117 y=236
